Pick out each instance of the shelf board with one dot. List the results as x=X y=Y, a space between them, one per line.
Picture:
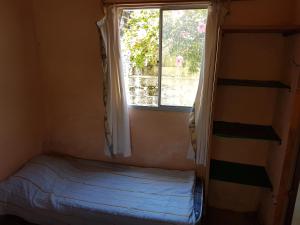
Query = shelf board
x=284 y=30
x=239 y=173
x=245 y=131
x=252 y=83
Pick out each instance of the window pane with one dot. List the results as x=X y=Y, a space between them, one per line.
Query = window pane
x=140 y=47
x=183 y=34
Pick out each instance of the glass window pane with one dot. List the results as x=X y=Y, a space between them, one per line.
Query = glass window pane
x=183 y=35
x=139 y=31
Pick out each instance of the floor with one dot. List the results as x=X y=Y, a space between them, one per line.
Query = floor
x=213 y=217
x=226 y=217
x=13 y=220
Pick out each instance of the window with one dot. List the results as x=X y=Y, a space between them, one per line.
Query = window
x=162 y=51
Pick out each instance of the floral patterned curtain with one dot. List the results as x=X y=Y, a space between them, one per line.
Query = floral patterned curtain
x=200 y=121
x=116 y=118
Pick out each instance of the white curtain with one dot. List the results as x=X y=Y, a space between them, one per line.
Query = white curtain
x=200 y=117
x=117 y=129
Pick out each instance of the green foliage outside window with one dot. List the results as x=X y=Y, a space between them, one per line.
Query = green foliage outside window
x=141 y=37
x=182 y=35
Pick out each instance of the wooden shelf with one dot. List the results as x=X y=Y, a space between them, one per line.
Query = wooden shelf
x=284 y=30
x=245 y=131
x=239 y=173
x=252 y=83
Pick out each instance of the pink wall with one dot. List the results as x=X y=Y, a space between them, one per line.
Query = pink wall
x=260 y=12
x=250 y=56
x=70 y=63
x=20 y=133
x=280 y=163
x=65 y=83
x=243 y=58
x=296 y=8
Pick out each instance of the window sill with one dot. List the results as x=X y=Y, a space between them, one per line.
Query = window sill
x=162 y=108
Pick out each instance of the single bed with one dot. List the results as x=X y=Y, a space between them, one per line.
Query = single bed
x=64 y=190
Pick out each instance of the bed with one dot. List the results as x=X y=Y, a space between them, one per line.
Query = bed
x=64 y=190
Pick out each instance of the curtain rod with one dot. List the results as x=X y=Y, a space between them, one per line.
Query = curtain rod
x=157 y=2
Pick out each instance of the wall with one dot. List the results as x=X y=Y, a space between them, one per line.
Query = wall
x=242 y=58
x=286 y=121
x=260 y=12
x=280 y=156
x=245 y=105
x=20 y=130
x=296 y=125
x=70 y=62
x=296 y=14
x=72 y=81
x=68 y=49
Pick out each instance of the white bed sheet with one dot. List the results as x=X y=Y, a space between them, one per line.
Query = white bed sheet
x=52 y=190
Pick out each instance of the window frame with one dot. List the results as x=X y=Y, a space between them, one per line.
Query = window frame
x=160 y=107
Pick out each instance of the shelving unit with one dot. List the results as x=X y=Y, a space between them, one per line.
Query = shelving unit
x=284 y=30
x=253 y=83
x=244 y=173
x=239 y=173
x=245 y=131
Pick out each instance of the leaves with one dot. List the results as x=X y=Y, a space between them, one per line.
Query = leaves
x=183 y=35
x=141 y=37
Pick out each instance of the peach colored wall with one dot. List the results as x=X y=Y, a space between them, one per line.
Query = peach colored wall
x=70 y=61
x=68 y=50
x=280 y=159
x=262 y=106
x=260 y=12
x=20 y=133
x=70 y=64
x=245 y=105
x=271 y=213
x=296 y=7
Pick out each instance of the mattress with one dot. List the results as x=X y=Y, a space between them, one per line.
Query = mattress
x=59 y=190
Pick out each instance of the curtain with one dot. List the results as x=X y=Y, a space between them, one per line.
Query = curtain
x=200 y=119
x=116 y=118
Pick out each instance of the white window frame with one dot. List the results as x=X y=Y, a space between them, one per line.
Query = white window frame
x=159 y=107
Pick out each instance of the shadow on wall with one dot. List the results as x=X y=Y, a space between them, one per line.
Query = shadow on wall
x=20 y=109
x=70 y=66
